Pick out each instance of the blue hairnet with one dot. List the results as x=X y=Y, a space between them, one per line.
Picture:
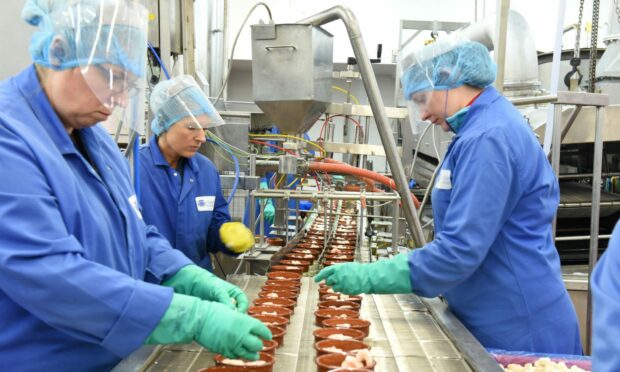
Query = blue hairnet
x=468 y=63
x=177 y=98
x=56 y=18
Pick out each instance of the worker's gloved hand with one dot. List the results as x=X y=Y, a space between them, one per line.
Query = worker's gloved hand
x=382 y=277
x=269 y=212
x=236 y=237
x=193 y=280
x=213 y=325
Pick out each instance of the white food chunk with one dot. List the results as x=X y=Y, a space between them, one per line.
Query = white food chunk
x=351 y=362
x=333 y=349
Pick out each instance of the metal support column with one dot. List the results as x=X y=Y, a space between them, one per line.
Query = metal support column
x=600 y=101
x=376 y=103
x=556 y=144
x=594 y=220
x=188 y=43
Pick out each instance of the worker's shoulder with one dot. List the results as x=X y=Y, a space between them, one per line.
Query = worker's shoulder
x=499 y=119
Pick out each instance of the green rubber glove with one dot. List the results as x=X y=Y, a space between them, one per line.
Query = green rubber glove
x=213 y=325
x=193 y=280
x=236 y=236
x=382 y=277
x=270 y=212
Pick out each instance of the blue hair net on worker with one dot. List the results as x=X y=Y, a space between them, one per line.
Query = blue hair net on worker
x=447 y=65
x=178 y=98
x=74 y=33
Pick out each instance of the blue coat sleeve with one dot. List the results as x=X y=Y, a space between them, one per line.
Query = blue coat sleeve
x=45 y=271
x=220 y=216
x=484 y=187
x=606 y=297
x=163 y=260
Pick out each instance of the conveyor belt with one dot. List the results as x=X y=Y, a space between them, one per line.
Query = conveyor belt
x=576 y=201
x=405 y=335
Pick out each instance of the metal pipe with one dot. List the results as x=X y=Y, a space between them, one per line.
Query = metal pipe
x=570 y=121
x=579 y=237
x=587 y=175
x=523 y=101
x=395 y=226
x=376 y=103
x=556 y=143
x=252 y=215
x=429 y=188
x=337 y=195
x=594 y=219
x=501 y=28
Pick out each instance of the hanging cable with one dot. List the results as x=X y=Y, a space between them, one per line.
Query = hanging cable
x=237 y=170
x=232 y=52
x=274 y=146
x=335 y=87
x=163 y=67
x=136 y=165
x=417 y=148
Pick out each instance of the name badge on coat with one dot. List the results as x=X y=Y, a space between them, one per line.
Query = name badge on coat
x=443 y=180
x=205 y=203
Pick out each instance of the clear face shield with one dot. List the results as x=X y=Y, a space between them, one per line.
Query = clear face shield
x=110 y=38
x=180 y=101
x=416 y=106
x=418 y=78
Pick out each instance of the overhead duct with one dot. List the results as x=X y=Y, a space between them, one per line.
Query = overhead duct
x=608 y=68
x=521 y=66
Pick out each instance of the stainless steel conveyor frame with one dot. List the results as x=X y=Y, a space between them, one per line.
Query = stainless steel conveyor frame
x=407 y=334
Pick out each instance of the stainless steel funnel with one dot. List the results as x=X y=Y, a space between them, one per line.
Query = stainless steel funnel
x=292 y=73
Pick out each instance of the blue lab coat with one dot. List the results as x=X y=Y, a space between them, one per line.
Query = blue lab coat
x=493 y=256
x=74 y=251
x=606 y=306
x=187 y=212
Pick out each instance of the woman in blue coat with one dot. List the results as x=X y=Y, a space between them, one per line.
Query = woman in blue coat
x=83 y=280
x=606 y=306
x=493 y=257
x=180 y=188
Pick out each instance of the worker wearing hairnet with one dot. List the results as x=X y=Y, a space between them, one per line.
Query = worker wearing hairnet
x=180 y=189
x=80 y=272
x=606 y=306
x=494 y=199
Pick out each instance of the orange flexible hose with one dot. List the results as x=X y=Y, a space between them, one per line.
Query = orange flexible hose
x=370 y=184
x=337 y=167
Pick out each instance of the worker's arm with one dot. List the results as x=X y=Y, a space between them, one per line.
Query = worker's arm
x=45 y=271
x=484 y=189
x=163 y=261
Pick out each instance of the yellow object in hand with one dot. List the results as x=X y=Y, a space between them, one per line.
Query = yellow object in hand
x=236 y=237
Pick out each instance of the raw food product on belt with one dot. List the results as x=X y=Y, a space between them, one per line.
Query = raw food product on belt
x=543 y=365
x=361 y=359
x=239 y=362
x=339 y=336
x=333 y=349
